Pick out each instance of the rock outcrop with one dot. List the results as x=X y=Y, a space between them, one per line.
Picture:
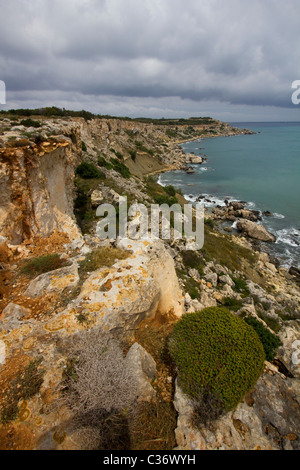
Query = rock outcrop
x=253 y=230
x=263 y=421
x=36 y=191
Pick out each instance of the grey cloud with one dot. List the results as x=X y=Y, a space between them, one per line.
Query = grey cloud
x=234 y=52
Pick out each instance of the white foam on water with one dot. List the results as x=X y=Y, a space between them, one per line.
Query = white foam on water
x=159 y=181
x=289 y=259
x=190 y=197
x=288 y=236
x=251 y=205
x=201 y=169
x=213 y=201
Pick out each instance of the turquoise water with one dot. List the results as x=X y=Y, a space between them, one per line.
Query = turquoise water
x=262 y=169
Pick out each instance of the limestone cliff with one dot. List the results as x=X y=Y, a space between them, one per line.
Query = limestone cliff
x=36 y=191
x=61 y=286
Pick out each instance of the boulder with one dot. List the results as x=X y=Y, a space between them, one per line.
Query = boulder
x=225 y=279
x=256 y=231
x=13 y=316
x=96 y=198
x=212 y=278
x=144 y=367
x=294 y=271
x=119 y=298
x=235 y=205
x=54 y=281
x=194 y=159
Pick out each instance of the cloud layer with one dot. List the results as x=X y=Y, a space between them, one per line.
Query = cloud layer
x=173 y=56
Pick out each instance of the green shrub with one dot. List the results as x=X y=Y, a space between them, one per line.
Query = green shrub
x=191 y=259
x=30 y=123
x=42 y=264
x=161 y=199
x=101 y=257
x=119 y=155
x=171 y=133
x=120 y=168
x=170 y=190
x=272 y=323
x=104 y=163
x=83 y=146
x=232 y=303
x=140 y=146
x=217 y=354
x=208 y=221
x=132 y=153
x=269 y=340
x=240 y=286
x=89 y=171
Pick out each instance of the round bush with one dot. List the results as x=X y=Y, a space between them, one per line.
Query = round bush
x=216 y=354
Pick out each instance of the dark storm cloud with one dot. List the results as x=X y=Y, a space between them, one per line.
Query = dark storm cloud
x=237 y=52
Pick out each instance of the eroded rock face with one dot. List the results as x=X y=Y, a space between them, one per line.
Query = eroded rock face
x=263 y=421
x=119 y=298
x=36 y=191
x=289 y=353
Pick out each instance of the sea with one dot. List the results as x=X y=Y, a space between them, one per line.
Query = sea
x=261 y=169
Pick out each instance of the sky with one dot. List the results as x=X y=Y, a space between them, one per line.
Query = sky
x=233 y=60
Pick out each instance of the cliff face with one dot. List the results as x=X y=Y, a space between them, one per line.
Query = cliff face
x=36 y=191
x=37 y=166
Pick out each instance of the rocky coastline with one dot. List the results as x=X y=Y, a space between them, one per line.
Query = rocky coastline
x=64 y=291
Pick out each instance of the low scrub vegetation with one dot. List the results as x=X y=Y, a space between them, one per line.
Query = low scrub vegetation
x=30 y=123
x=100 y=388
x=120 y=167
x=24 y=386
x=219 y=357
x=232 y=303
x=42 y=264
x=89 y=171
x=240 y=286
x=270 y=341
x=100 y=258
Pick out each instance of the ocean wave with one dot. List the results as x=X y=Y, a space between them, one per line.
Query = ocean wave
x=288 y=236
x=278 y=216
x=190 y=197
x=201 y=169
x=207 y=199
x=288 y=258
x=251 y=205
